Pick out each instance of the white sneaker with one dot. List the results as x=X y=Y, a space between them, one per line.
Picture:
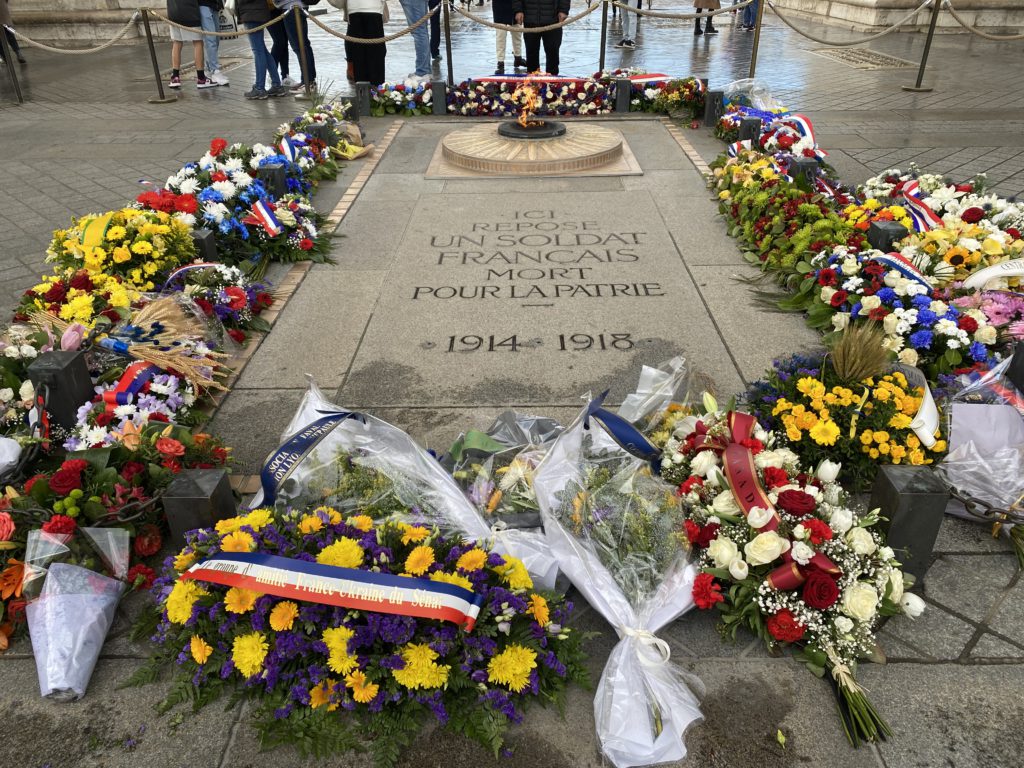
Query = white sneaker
x=218 y=78
x=288 y=82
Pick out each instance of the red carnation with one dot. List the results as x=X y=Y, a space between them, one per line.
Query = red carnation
x=217 y=146
x=691 y=483
x=141 y=576
x=786 y=141
x=237 y=335
x=75 y=465
x=236 y=297
x=873 y=268
x=204 y=305
x=306 y=244
x=56 y=293
x=692 y=531
x=819 y=530
x=755 y=445
x=797 y=503
x=838 y=298
x=158 y=417
x=60 y=525
x=131 y=469
x=820 y=591
x=973 y=215
x=707 y=535
x=878 y=314
x=171 y=464
x=218 y=176
x=706 y=592
x=64 y=481
x=1013 y=232
x=775 y=477
x=103 y=418
x=148 y=541
x=966 y=323
x=784 y=627
x=81 y=282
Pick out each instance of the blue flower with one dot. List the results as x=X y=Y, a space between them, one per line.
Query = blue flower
x=926 y=317
x=921 y=300
x=921 y=339
x=886 y=294
x=978 y=352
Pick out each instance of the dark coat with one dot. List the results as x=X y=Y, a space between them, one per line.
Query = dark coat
x=503 y=11
x=540 y=13
x=184 y=12
x=253 y=11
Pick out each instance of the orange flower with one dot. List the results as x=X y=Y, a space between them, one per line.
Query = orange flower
x=200 y=438
x=10 y=579
x=168 y=446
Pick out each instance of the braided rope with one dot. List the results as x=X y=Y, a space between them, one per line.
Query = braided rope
x=975 y=31
x=680 y=16
x=76 y=51
x=206 y=33
x=371 y=40
x=833 y=44
x=535 y=30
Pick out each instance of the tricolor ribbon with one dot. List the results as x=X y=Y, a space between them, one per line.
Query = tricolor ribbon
x=904 y=266
x=825 y=187
x=182 y=270
x=342 y=587
x=736 y=147
x=132 y=381
x=792 y=575
x=924 y=218
x=263 y=215
x=290 y=146
x=628 y=437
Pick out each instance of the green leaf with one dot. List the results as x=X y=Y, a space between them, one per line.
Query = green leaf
x=780 y=737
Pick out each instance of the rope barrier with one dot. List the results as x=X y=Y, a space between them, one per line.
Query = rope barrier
x=833 y=44
x=679 y=16
x=371 y=40
x=536 y=30
x=207 y=33
x=975 y=31
x=76 y=51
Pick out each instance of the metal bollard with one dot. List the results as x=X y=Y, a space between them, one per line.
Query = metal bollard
x=913 y=500
x=714 y=107
x=206 y=244
x=750 y=128
x=804 y=171
x=163 y=98
x=274 y=179
x=882 y=234
x=623 y=94
x=439 y=97
x=363 y=97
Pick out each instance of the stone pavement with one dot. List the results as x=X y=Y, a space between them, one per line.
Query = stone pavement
x=375 y=332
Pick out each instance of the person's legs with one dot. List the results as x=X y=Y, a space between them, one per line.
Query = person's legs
x=293 y=39
x=552 y=42
x=197 y=54
x=211 y=44
x=435 y=30
x=259 y=57
x=279 y=47
x=517 y=45
x=499 y=45
x=696 y=24
x=627 y=25
x=532 y=41
x=414 y=11
x=176 y=55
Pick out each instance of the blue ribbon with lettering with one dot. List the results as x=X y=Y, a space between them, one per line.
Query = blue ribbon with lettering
x=280 y=464
x=629 y=438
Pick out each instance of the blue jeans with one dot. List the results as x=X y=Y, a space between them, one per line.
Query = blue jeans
x=293 y=39
x=750 y=14
x=262 y=60
x=210 y=44
x=414 y=11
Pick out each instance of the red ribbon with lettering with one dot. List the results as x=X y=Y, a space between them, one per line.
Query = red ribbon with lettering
x=792 y=574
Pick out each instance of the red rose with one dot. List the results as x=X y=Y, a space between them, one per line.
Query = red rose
x=827 y=277
x=775 y=476
x=691 y=483
x=64 y=481
x=75 y=465
x=838 y=298
x=236 y=297
x=966 y=323
x=32 y=481
x=204 y=305
x=217 y=146
x=131 y=469
x=220 y=454
x=820 y=591
x=56 y=293
x=172 y=465
x=147 y=541
x=237 y=335
x=878 y=314
x=784 y=627
x=707 y=535
x=218 y=176
x=306 y=244
x=692 y=531
x=141 y=576
x=964 y=188
x=168 y=446
x=706 y=592
x=81 y=282
x=819 y=530
x=103 y=418
x=1013 y=232
x=60 y=525
x=973 y=215
x=797 y=503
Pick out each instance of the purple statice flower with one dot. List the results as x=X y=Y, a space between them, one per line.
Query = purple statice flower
x=393 y=661
x=227 y=668
x=550 y=660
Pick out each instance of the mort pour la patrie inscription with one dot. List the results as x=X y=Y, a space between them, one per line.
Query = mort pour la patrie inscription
x=536 y=260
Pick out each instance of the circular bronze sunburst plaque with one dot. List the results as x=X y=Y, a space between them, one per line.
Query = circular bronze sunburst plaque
x=582 y=148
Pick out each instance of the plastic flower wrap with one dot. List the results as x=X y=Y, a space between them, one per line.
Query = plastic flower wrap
x=781 y=552
x=342 y=629
x=353 y=460
x=19 y=346
x=615 y=531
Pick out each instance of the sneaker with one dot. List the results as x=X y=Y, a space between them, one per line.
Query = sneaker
x=436 y=56
x=217 y=78
x=277 y=91
x=257 y=93
x=205 y=83
x=174 y=82
x=287 y=82
x=301 y=86
x=621 y=43
x=628 y=44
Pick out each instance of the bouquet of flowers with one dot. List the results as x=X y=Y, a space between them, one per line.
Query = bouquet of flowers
x=615 y=532
x=341 y=628
x=287 y=230
x=860 y=215
x=225 y=294
x=681 y=98
x=344 y=138
x=401 y=99
x=78 y=296
x=781 y=553
x=962 y=248
x=588 y=97
x=1004 y=311
x=182 y=207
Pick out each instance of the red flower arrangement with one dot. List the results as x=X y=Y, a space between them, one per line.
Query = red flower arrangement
x=706 y=592
x=784 y=627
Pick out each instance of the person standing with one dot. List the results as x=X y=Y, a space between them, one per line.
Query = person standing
x=629 y=20
x=705 y=5
x=293 y=28
x=541 y=13
x=186 y=12
x=208 y=10
x=503 y=13
x=279 y=47
x=252 y=14
x=415 y=10
x=435 y=30
x=366 y=20
x=7 y=21
x=749 y=20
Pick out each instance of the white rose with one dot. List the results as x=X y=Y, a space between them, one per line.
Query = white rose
x=890 y=323
x=850 y=267
x=28 y=352
x=908 y=356
x=677 y=458
x=738 y=568
x=703 y=463
x=986 y=334
x=860 y=601
x=828 y=471
x=912 y=605
x=841 y=520
x=840 y=320
x=844 y=625
x=861 y=542
x=27 y=391
x=800 y=532
x=802 y=553
x=766 y=459
x=722 y=551
x=886 y=554
x=765 y=548
x=868 y=303
x=725 y=504
x=11 y=352
x=827 y=293
x=6 y=395
x=896 y=586
x=758 y=517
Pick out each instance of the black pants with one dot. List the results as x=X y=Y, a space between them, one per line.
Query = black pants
x=367 y=60
x=435 y=29
x=279 y=49
x=12 y=41
x=552 y=40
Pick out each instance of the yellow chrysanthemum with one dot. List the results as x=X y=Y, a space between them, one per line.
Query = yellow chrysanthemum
x=333 y=515
x=421 y=669
x=183 y=596
x=248 y=652
x=452 y=578
x=419 y=560
x=413 y=533
x=200 y=649
x=283 y=616
x=310 y=524
x=473 y=560
x=512 y=667
x=362 y=522
x=514 y=573
x=229 y=525
x=183 y=560
x=320 y=695
x=258 y=518
x=343 y=553
x=825 y=432
x=338 y=659
x=239 y=600
x=539 y=609
x=239 y=541
x=363 y=691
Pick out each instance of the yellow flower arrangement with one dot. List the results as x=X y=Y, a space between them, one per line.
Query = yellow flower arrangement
x=248 y=652
x=421 y=669
x=861 y=216
x=343 y=553
x=512 y=667
x=183 y=596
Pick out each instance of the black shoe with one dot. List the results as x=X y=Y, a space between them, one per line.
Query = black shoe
x=518 y=62
x=709 y=29
x=500 y=69
x=21 y=59
x=696 y=29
